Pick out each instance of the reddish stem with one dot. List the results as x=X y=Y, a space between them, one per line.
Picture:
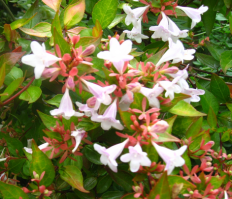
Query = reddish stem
x=17 y=94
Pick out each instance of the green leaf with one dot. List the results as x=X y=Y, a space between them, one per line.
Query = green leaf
x=125 y=117
x=104 y=184
x=112 y=195
x=226 y=60
x=215 y=50
x=194 y=128
x=14 y=74
x=55 y=100
x=31 y=94
x=216 y=182
x=208 y=100
x=41 y=163
x=87 y=124
x=156 y=57
x=12 y=88
x=2 y=75
x=20 y=22
x=15 y=165
x=56 y=24
x=9 y=60
x=183 y=108
x=73 y=176
x=209 y=17
x=60 y=41
x=212 y=118
x=161 y=188
x=170 y=122
x=129 y=196
x=74 y=13
x=118 y=18
x=48 y=120
x=105 y=11
x=90 y=183
x=208 y=60
x=172 y=180
x=11 y=191
x=89 y=4
x=122 y=178
x=230 y=21
x=219 y=88
x=53 y=4
x=166 y=137
x=151 y=152
x=92 y=155
x=42 y=29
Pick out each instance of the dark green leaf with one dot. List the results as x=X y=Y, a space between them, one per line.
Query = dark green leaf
x=90 y=183
x=104 y=184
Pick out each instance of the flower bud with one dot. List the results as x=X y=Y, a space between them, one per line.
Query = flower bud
x=229 y=156
x=134 y=87
x=88 y=51
x=171 y=70
x=70 y=84
x=91 y=102
x=49 y=72
x=137 y=189
x=159 y=127
x=191 y=192
x=46 y=191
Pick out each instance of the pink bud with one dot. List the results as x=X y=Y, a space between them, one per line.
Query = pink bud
x=91 y=102
x=66 y=58
x=42 y=188
x=88 y=51
x=134 y=87
x=171 y=70
x=208 y=145
x=75 y=39
x=159 y=127
x=49 y=72
x=70 y=84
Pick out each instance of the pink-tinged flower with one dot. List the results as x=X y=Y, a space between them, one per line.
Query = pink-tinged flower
x=39 y=59
x=194 y=14
x=133 y=15
x=109 y=156
x=193 y=93
x=78 y=134
x=117 y=54
x=151 y=94
x=41 y=147
x=108 y=119
x=85 y=108
x=167 y=29
x=136 y=33
x=182 y=75
x=136 y=157
x=170 y=88
x=101 y=93
x=126 y=101
x=225 y=195
x=158 y=127
x=66 y=107
x=176 y=52
x=172 y=158
x=3 y=177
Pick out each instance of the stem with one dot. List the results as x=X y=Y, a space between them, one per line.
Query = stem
x=212 y=30
x=8 y=10
x=17 y=94
x=207 y=79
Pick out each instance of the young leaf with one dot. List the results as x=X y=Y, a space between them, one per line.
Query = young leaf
x=226 y=60
x=182 y=108
x=53 y=4
x=42 y=29
x=41 y=163
x=21 y=22
x=11 y=191
x=73 y=176
x=219 y=88
x=105 y=12
x=74 y=13
x=212 y=118
x=60 y=41
x=31 y=94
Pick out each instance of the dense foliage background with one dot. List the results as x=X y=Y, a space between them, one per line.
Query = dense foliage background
x=25 y=103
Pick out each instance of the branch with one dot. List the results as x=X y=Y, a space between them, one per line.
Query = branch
x=207 y=79
x=17 y=94
x=8 y=10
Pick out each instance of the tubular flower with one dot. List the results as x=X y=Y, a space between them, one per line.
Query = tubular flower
x=66 y=108
x=39 y=59
x=78 y=134
x=136 y=157
x=109 y=156
x=172 y=158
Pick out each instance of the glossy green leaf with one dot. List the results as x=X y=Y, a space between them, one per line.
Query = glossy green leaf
x=194 y=128
x=60 y=41
x=104 y=184
x=11 y=191
x=226 y=60
x=214 y=49
x=41 y=163
x=209 y=17
x=212 y=118
x=48 y=120
x=90 y=183
x=208 y=60
x=118 y=18
x=170 y=122
x=166 y=137
x=31 y=94
x=9 y=60
x=125 y=117
x=55 y=100
x=151 y=152
x=15 y=165
x=74 y=13
x=105 y=11
x=161 y=188
x=42 y=29
x=92 y=155
x=20 y=22
x=217 y=181
x=183 y=108
x=12 y=88
x=89 y=4
x=219 y=88
x=56 y=24
x=73 y=176
x=112 y=195
x=53 y=4
x=14 y=74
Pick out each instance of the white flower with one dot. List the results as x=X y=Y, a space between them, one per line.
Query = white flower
x=117 y=54
x=42 y=146
x=225 y=195
x=84 y=107
x=78 y=134
x=194 y=14
x=176 y=52
x=172 y=158
x=151 y=94
x=2 y=159
x=66 y=107
x=193 y=93
x=109 y=156
x=166 y=29
x=39 y=59
x=126 y=101
x=170 y=88
x=136 y=157
x=133 y=15
x=108 y=119
x=183 y=75
x=136 y=33
x=101 y=93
